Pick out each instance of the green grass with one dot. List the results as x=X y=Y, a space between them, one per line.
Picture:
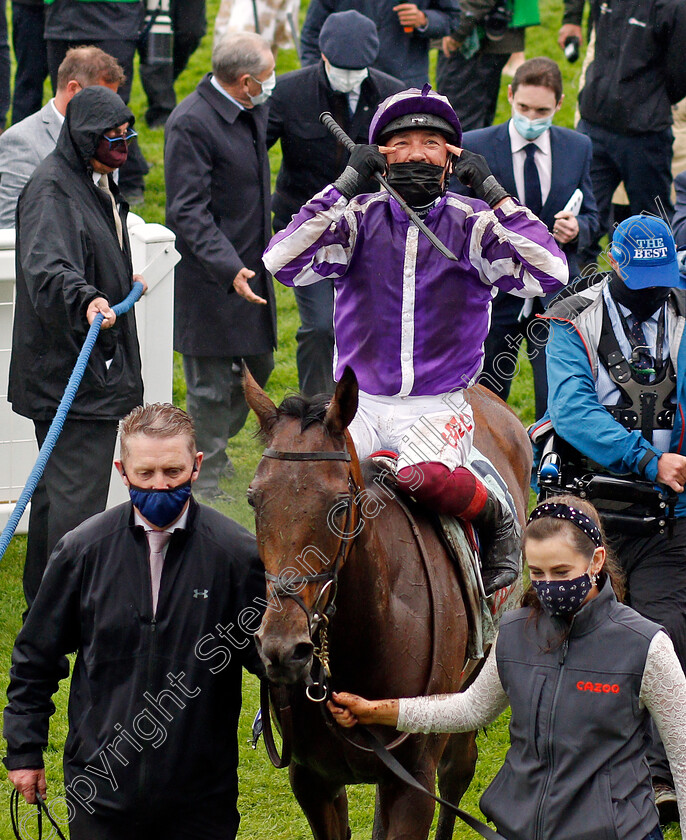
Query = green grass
x=266 y=803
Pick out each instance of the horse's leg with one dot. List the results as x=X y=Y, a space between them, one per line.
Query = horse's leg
x=455 y=772
x=406 y=814
x=378 y=832
x=324 y=804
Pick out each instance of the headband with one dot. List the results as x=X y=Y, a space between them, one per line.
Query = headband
x=576 y=517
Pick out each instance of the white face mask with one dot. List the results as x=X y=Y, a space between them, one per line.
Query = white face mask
x=268 y=86
x=345 y=80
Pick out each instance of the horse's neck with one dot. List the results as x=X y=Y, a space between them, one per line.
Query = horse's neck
x=361 y=619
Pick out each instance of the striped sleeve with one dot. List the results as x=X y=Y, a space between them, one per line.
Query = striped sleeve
x=318 y=242
x=514 y=251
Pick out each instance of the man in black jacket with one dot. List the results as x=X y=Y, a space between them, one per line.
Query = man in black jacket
x=73 y=261
x=637 y=74
x=160 y=598
x=405 y=32
x=217 y=176
x=344 y=84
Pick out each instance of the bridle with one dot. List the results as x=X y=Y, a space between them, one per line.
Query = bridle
x=324 y=607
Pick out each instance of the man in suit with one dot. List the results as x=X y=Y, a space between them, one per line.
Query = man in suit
x=542 y=165
x=344 y=84
x=27 y=143
x=218 y=191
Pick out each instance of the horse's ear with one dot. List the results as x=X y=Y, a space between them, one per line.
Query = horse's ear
x=343 y=406
x=256 y=398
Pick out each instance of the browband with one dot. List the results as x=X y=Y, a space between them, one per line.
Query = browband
x=556 y=510
x=306 y=456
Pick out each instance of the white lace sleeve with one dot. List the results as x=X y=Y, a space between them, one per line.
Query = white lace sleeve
x=478 y=706
x=663 y=693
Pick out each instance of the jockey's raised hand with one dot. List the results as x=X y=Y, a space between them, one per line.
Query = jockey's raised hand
x=475 y=173
x=365 y=160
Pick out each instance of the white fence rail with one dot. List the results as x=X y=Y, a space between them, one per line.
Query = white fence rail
x=154 y=256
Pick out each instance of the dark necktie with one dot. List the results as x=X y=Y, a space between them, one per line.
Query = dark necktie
x=532 y=183
x=641 y=358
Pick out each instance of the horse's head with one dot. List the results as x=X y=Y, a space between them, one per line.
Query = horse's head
x=306 y=513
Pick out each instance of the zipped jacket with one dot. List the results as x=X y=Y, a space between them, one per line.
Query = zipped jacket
x=573 y=406
x=154 y=700
x=638 y=71
x=576 y=767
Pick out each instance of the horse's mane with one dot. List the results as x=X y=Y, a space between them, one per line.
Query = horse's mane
x=307 y=410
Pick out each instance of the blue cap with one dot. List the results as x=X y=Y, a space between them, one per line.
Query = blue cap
x=349 y=40
x=645 y=251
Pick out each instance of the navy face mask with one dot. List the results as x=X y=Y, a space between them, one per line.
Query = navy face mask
x=161 y=507
x=561 y=598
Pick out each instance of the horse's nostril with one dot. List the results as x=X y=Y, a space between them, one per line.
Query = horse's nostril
x=302 y=652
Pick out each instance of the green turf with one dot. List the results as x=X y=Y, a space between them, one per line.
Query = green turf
x=266 y=804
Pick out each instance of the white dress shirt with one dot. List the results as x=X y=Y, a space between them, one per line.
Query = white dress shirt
x=543 y=158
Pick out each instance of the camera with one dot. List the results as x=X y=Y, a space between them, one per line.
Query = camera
x=158 y=33
x=572 y=45
x=498 y=20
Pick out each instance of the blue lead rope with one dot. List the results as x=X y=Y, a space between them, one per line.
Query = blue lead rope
x=61 y=415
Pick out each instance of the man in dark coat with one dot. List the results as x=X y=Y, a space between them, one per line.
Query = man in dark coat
x=217 y=176
x=73 y=261
x=160 y=598
x=561 y=166
x=405 y=32
x=344 y=84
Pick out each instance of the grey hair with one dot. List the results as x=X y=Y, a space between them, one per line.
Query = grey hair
x=238 y=53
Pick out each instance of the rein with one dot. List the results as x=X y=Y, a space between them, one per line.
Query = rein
x=41 y=808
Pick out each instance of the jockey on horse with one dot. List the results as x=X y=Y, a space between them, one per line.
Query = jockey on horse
x=410 y=322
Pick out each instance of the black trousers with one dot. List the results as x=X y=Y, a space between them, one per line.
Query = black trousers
x=314 y=355
x=132 y=172
x=472 y=86
x=189 y=24
x=215 y=401
x=501 y=350
x=642 y=161
x=655 y=569
x=32 y=60
x=74 y=487
x=203 y=824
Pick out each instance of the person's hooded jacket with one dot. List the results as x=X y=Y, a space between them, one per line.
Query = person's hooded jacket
x=68 y=254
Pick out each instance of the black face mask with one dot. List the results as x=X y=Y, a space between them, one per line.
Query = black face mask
x=418 y=183
x=640 y=302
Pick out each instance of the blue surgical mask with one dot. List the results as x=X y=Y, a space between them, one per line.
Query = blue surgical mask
x=530 y=129
x=268 y=86
x=161 y=507
x=561 y=598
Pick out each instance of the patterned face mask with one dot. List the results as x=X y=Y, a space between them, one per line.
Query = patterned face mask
x=561 y=598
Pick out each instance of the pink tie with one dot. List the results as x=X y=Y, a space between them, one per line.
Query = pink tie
x=157 y=540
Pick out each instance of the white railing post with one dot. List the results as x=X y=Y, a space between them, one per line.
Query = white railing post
x=154 y=255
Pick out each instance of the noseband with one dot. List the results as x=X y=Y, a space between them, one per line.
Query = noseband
x=318 y=617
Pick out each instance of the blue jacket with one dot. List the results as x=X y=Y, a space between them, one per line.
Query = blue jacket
x=571 y=153
x=403 y=55
x=573 y=406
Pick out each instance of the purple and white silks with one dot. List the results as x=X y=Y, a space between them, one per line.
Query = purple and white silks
x=408 y=321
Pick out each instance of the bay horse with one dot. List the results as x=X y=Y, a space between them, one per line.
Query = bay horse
x=329 y=529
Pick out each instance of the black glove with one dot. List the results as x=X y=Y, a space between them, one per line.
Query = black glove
x=473 y=171
x=364 y=162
